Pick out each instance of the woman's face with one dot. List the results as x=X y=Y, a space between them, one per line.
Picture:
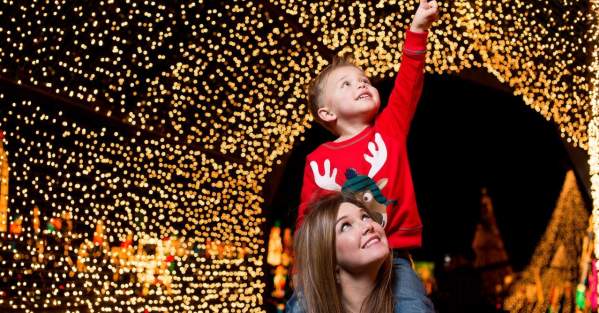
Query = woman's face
x=361 y=243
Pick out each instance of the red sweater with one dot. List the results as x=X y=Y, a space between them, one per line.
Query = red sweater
x=387 y=156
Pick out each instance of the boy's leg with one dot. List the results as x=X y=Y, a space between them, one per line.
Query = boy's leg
x=293 y=304
x=408 y=290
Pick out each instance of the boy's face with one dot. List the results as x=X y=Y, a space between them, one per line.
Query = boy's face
x=348 y=94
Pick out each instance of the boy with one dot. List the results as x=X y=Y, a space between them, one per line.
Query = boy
x=370 y=151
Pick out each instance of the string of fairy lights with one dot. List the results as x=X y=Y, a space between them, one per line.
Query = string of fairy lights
x=257 y=66
x=594 y=123
x=212 y=96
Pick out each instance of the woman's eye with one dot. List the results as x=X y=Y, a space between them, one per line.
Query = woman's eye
x=345 y=226
x=345 y=83
x=366 y=217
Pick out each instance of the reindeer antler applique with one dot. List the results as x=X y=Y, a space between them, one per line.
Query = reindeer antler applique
x=378 y=156
x=327 y=180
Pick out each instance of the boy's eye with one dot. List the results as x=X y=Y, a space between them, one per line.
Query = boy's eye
x=345 y=83
x=366 y=217
x=366 y=81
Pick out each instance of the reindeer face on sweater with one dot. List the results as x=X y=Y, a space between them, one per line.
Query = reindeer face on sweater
x=366 y=190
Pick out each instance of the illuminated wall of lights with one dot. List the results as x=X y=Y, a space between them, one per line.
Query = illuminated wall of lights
x=147 y=188
x=594 y=123
x=209 y=95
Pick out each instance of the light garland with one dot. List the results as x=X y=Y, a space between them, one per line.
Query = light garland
x=594 y=123
x=4 y=180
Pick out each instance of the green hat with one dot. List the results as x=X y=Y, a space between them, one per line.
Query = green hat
x=356 y=183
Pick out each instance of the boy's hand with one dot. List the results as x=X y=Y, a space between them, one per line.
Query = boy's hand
x=426 y=14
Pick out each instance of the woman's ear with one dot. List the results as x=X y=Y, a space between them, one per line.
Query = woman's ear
x=326 y=114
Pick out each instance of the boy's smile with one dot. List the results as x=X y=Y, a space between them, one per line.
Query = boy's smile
x=365 y=95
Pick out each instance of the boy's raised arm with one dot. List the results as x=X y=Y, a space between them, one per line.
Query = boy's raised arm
x=408 y=83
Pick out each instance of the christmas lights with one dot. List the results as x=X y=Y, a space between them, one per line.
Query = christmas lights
x=200 y=99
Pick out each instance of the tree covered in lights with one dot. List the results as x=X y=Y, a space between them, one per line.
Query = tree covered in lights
x=548 y=283
x=491 y=259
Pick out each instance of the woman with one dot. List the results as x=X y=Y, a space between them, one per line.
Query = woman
x=343 y=262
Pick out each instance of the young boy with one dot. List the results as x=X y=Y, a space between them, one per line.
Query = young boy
x=370 y=151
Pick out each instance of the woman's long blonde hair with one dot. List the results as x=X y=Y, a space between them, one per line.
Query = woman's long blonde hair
x=316 y=262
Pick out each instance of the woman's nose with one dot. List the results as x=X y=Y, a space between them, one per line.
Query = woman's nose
x=367 y=227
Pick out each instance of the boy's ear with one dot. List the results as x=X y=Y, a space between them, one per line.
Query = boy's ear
x=326 y=115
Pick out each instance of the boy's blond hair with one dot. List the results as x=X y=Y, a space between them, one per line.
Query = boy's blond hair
x=315 y=88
